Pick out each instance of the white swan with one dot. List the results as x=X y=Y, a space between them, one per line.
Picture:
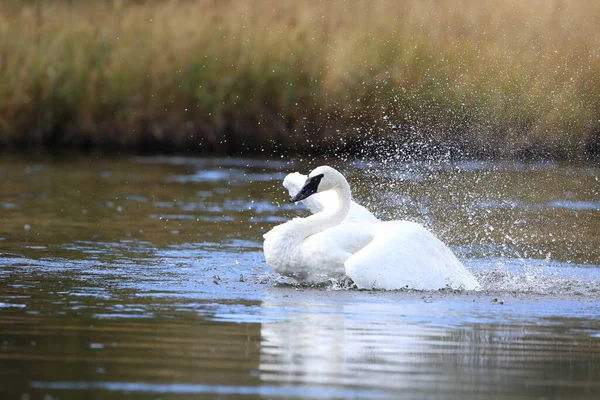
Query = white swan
x=379 y=255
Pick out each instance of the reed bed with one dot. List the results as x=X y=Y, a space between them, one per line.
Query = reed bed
x=505 y=78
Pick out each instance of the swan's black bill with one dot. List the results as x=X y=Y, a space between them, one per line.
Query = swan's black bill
x=310 y=187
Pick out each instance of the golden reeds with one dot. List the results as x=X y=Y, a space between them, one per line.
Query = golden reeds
x=495 y=78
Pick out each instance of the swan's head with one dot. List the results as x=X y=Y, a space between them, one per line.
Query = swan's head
x=319 y=180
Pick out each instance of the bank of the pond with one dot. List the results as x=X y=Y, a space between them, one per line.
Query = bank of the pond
x=512 y=79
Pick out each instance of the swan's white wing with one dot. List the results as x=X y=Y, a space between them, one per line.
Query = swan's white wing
x=317 y=202
x=405 y=255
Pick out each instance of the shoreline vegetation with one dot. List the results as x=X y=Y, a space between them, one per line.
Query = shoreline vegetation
x=478 y=79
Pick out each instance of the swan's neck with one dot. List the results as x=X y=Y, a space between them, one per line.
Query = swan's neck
x=331 y=216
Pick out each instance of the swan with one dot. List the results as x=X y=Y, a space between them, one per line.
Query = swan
x=374 y=254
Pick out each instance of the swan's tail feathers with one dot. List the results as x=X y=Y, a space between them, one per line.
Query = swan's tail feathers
x=460 y=277
x=293 y=182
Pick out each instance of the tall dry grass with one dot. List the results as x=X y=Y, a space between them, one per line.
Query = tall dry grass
x=496 y=78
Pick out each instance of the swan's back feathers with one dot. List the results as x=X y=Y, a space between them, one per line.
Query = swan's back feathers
x=319 y=201
x=405 y=254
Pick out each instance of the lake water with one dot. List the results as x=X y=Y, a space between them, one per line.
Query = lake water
x=143 y=278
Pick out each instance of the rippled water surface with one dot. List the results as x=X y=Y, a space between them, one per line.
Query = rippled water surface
x=143 y=278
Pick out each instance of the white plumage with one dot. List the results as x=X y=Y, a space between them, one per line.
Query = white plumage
x=343 y=238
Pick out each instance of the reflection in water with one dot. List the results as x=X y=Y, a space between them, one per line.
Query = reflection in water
x=377 y=346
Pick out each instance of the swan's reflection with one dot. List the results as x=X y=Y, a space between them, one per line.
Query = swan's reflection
x=385 y=348
x=338 y=344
